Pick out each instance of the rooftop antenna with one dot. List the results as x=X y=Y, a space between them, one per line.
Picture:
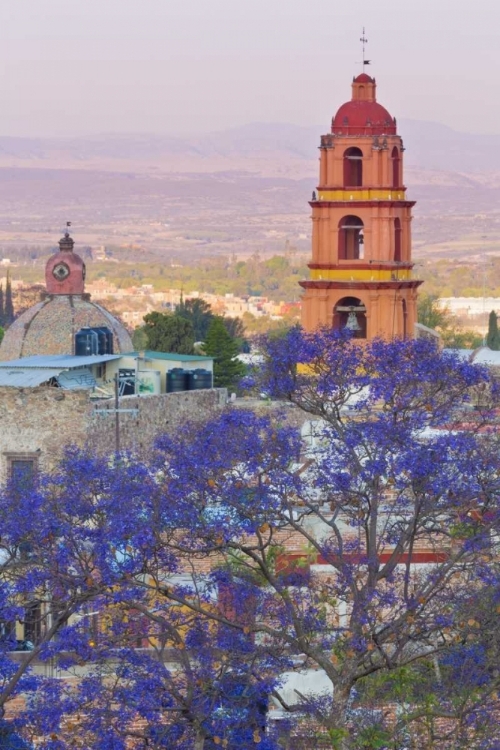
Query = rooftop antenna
x=364 y=42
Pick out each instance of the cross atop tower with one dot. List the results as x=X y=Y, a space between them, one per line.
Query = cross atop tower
x=364 y=42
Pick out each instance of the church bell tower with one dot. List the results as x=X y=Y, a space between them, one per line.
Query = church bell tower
x=361 y=266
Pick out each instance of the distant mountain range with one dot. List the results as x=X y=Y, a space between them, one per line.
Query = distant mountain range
x=236 y=191
x=258 y=147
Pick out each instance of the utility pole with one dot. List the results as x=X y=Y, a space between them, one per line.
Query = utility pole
x=117 y=415
x=116 y=411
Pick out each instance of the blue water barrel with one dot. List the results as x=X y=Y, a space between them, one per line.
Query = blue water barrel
x=108 y=344
x=199 y=379
x=102 y=341
x=86 y=342
x=105 y=337
x=177 y=380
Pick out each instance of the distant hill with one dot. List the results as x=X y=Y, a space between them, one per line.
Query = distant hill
x=256 y=146
x=237 y=191
x=438 y=147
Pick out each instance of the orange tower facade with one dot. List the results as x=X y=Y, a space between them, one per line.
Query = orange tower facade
x=361 y=268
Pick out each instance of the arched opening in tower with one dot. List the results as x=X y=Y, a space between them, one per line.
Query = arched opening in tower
x=396 y=163
x=349 y=314
x=351 y=238
x=405 y=319
x=353 y=167
x=397 y=239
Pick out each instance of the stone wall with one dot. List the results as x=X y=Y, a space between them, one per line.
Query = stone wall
x=41 y=422
x=153 y=415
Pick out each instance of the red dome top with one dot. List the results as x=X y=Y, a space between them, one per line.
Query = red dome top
x=65 y=271
x=363 y=118
x=364 y=78
x=363 y=115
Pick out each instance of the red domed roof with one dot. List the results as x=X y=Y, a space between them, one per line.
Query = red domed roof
x=364 y=78
x=362 y=117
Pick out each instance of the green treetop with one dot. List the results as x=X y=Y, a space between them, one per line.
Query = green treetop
x=493 y=337
x=453 y=336
x=168 y=333
x=8 y=302
x=224 y=349
x=199 y=313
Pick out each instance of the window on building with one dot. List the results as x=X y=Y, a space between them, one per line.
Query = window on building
x=7 y=632
x=350 y=314
x=397 y=239
x=353 y=167
x=405 y=319
x=22 y=468
x=351 y=238
x=396 y=167
x=32 y=624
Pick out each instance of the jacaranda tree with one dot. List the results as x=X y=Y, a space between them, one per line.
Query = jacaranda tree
x=371 y=539
x=63 y=560
x=352 y=537
x=118 y=660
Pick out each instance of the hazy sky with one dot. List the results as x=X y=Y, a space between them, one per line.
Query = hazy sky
x=75 y=67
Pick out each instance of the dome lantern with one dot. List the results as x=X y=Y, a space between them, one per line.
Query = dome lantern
x=65 y=270
x=50 y=326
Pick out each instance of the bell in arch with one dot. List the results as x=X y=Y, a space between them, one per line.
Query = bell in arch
x=352 y=322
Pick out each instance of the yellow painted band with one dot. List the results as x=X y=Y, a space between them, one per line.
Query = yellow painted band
x=362 y=195
x=368 y=274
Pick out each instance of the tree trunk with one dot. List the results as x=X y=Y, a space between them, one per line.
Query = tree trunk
x=199 y=742
x=338 y=719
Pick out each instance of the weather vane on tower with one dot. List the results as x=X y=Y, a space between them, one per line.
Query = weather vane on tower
x=364 y=42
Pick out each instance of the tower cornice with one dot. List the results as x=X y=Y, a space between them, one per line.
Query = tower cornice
x=363 y=204
x=367 y=193
x=362 y=285
x=360 y=265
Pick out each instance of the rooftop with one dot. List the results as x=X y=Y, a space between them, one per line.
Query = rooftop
x=70 y=361
x=57 y=361
x=168 y=356
x=486 y=356
x=71 y=371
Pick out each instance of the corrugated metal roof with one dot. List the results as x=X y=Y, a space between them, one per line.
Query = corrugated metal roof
x=61 y=361
x=172 y=356
x=29 y=378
